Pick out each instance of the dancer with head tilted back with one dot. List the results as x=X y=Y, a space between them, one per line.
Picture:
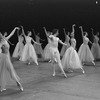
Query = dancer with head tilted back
x=55 y=56
x=29 y=53
x=95 y=49
x=7 y=72
x=70 y=60
x=84 y=51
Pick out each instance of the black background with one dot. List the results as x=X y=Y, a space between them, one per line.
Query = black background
x=51 y=14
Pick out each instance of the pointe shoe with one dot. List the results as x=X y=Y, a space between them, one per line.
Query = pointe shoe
x=37 y=63
x=54 y=74
x=93 y=63
x=65 y=76
x=20 y=86
x=83 y=71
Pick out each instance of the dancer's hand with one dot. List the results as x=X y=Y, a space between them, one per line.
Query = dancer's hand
x=80 y=26
x=74 y=24
x=17 y=28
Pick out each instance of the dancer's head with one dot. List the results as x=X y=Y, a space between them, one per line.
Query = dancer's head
x=55 y=32
x=97 y=33
x=72 y=35
x=29 y=33
x=85 y=34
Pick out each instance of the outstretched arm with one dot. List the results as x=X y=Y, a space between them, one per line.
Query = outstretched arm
x=61 y=42
x=23 y=32
x=35 y=42
x=45 y=31
x=9 y=36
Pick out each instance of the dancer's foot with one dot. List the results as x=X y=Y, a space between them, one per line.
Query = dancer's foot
x=20 y=86
x=83 y=71
x=37 y=63
x=54 y=74
x=28 y=63
x=65 y=75
x=93 y=63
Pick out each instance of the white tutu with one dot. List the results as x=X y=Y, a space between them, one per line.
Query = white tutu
x=18 y=50
x=85 y=54
x=64 y=48
x=95 y=49
x=38 y=49
x=29 y=53
x=71 y=59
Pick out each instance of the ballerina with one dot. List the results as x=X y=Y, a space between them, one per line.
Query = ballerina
x=71 y=59
x=64 y=48
x=29 y=54
x=95 y=49
x=84 y=51
x=55 y=56
x=19 y=47
x=46 y=53
x=7 y=71
x=38 y=48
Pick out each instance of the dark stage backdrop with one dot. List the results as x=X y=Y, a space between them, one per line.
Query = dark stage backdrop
x=51 y=14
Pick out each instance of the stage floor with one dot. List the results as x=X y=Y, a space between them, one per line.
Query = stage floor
x=39 y=84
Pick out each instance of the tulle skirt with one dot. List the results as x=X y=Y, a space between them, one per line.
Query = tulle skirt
x=55 y=55
x=29 y=53
x=95 y=49
x=47 y=53
x=71 y=59
x=64 y=48
x=18 y=50
x=85 y=53
x=8 y=74
x=38 y=49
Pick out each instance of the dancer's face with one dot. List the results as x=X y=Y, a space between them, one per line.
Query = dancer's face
x=29 y=34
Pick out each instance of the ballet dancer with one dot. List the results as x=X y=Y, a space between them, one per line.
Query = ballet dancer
x=70 y=60
x=84 y=51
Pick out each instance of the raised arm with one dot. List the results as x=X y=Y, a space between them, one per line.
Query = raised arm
x=9 y=36
x=45 y=31
x=81 y=31
x=92 y=31
x=35 y=42
x=64 y=32
x=23 y=32
x=73 y=29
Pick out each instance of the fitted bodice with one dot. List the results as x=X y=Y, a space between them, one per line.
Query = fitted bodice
x=28 y=39
x=54 y=41
x=73 y=42
x=85 y=40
